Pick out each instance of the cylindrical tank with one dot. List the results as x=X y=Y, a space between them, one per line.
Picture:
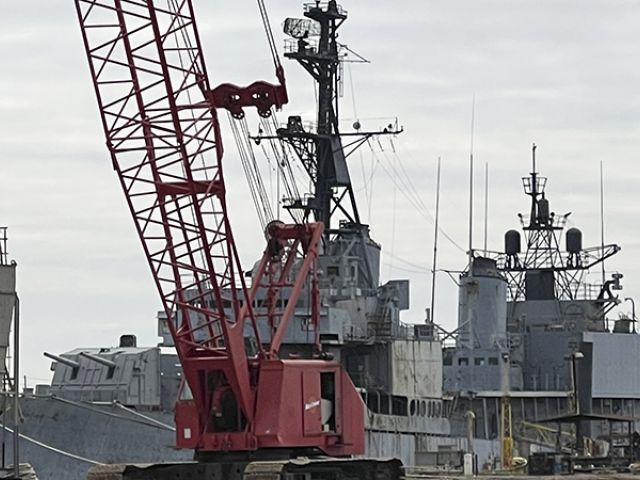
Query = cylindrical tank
x=482 y=313
x=128 y=340
x=512 y=242
x=574 y=240
x=543 y=210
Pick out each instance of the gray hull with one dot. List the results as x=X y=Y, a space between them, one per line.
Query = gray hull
x=61 y=439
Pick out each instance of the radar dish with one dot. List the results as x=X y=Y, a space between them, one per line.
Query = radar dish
x=301 y=27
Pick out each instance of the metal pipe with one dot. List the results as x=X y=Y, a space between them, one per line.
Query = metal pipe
x=633 y=312
x=102 y=361
x=473 y=109
x=65 y=361
x=471 y=418
x=604 y=274
x=574 y=357
x=486 y=204
x=435 y=246
x=4 y=429
x=16 y=375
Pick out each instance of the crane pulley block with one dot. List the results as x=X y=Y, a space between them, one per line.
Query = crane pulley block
x=262 y=95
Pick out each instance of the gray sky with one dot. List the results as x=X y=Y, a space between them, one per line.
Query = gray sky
x=563 y=74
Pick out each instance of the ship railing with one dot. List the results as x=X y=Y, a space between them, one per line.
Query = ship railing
x=557 y=221
x=576 y=291
x=585 y=291
x=404 y=330
x=499 y=257
x=308 y=125
x=381 y=327
x=419 y=331
x=346 y=124
x=312 y=5
x=449 y=342
x=3 y=245
x=540 y=184
x=357 y=333
x=293 y=45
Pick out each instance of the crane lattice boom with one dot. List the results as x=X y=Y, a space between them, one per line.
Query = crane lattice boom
x=149 y=77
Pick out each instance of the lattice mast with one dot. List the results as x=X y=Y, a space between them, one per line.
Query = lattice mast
x=543 y=231
x=316 y=48
x=321 y=151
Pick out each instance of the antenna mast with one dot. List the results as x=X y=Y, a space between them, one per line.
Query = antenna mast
x=435 y=244
x=486 y=204
x=473 y=108
x=534 y=187
x=602 y=218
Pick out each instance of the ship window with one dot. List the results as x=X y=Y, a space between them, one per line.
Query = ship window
x=478 y=361
x=463 y=361
x=493 y=360
x=372 y=403
x=384 y=404
x=399 y=406
x=333 y=271
x=430 y=410
x=412 y=407
x=447 y=360
x=423 y=408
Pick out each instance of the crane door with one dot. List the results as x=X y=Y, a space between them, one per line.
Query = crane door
x=312 y=403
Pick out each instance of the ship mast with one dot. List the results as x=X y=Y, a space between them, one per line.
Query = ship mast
x=323 y=151
x=545 y=270
x=534 y=188
x=317 y=50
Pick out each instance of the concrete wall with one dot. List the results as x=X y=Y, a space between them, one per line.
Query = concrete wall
x=391 y=445
x=416 y=368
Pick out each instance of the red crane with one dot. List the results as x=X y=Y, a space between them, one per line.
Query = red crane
x=160 y=120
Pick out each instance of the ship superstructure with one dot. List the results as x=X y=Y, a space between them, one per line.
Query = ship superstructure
x=531 y=329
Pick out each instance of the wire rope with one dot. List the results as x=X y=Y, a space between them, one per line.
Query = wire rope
x=414 y=199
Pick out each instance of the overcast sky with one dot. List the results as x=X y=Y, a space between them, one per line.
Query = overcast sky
x=562 y=74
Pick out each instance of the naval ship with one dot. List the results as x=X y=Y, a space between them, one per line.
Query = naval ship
x=534 y=341
x=115 y=404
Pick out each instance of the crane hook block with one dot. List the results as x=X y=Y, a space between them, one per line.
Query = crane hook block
x=260 y=94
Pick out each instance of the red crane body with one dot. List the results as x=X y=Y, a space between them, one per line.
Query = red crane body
x=160 y=121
